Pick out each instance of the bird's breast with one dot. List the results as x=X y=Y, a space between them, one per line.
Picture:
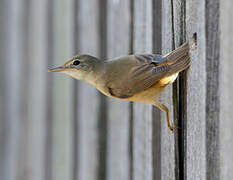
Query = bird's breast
x=148 y=95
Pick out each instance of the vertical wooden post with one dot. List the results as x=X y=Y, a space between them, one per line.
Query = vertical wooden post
x=87 y=111
x=167 y=139
x=62 y=93
x=225 y=90
x=142 y=113
x=213 y=89
x=156 y=114
x=4 y=8
x=118 y=41
x=13 y=83
x=36 y=66
x=196 y=93
x=180 y=89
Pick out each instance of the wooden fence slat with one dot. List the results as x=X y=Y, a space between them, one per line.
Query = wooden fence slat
x=196 y=93
x=62 y=94
x=167 y=139
x=14 y=114
x=212 y=90
x=179 y=91
x=88 y=106
x=156 y=114
x=226 y=87
x=49 y=94
x=4 y=50
x=50 y=131
x=142 y=113
x=37 y=69
x=118 y=41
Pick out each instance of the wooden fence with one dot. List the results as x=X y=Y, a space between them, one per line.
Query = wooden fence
x=55 y=128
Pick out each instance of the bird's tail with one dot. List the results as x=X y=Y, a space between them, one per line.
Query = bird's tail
x=179 y=59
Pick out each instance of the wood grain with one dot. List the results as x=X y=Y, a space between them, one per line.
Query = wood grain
x=167 y=138
x=180 y=91
x=196 y=93
x=212 y=90
x=156 y=113
x=225 y=90
x=53 y=127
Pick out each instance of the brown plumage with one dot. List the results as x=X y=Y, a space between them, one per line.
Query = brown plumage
x=138 y=78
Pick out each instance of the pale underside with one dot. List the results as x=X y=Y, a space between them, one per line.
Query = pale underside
x=149 y=95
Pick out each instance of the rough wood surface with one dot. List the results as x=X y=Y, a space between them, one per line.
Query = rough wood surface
x=212 y=90
x=196 y=93
x=118 y=43
x=62 y=94
x=52 y=127
x=4 y=170
x=142 y=113
x=226 y=86
x=156 y=113
x=167 y=138
x=180 y=90
x=87 y=110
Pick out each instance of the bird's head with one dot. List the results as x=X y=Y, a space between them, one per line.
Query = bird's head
x=79 y=67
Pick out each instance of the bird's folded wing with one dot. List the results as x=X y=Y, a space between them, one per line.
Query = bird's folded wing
x=140 y=76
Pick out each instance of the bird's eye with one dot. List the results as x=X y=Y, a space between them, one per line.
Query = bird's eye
x=76 y=62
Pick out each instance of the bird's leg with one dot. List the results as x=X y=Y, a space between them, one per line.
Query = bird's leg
x=166 y=110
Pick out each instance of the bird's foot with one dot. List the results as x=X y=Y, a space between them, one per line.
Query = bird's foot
x=172 y=128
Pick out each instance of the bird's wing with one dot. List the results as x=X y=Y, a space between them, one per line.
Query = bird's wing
x=145 y=70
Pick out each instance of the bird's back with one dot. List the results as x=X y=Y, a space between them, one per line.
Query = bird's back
x=136 y=77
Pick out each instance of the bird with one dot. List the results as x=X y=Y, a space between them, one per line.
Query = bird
x=135 y=77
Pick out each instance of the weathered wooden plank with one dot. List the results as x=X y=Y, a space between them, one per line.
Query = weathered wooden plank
x=167 y=138
x=4 y=50
x=142 y=113
x=156 y=114
x=196 y=93
x=212 y=90
x=35 y=125
x=225 y=90
x=49 y=94
x=118 y=40
x=62 y=94
x=12 y=43
x=180 y=91
x=88 y=106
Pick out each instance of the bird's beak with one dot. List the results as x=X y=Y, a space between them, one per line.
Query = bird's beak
x=57 y=69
